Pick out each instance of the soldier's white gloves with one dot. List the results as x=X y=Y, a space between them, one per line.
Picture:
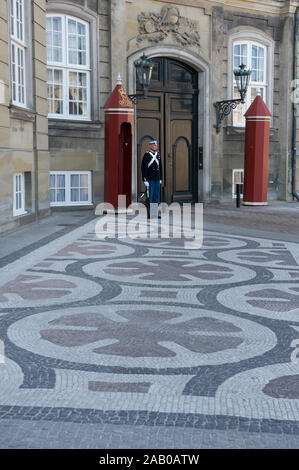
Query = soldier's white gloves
x=160 y=181
x=146 y=183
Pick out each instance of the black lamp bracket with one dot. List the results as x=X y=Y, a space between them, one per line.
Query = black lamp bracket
x=223 y=109
x=134 y=98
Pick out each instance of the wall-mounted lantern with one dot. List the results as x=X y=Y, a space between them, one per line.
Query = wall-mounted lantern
x=224 y=108
x=144 y=68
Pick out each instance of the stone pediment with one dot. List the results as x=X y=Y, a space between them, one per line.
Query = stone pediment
x=155 y=27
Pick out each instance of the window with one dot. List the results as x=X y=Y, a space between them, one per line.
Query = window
x=18 y=48
x=68 y=67
x=254 y=56
x=19 y=194
x=238 y=178
x=70 y=188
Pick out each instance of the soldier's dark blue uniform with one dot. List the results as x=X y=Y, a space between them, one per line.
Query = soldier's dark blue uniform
x=152 y=172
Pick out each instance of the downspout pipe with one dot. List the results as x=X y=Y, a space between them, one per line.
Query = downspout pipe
x=294 y=133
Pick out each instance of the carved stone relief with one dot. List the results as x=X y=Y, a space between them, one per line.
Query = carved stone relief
x=155 y=27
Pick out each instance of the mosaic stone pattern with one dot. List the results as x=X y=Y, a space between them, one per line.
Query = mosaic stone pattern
x=148 y=331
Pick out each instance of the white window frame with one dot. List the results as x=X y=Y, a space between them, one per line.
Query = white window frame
x=66 y=67
x=252 y=37
x=19 y=210
x=68 y=201
x=234 y=193
x=19 y=45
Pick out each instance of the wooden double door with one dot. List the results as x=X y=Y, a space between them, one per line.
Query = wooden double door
x=170 y=115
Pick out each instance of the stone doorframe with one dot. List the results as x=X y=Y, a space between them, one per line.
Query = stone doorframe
x=204 y=109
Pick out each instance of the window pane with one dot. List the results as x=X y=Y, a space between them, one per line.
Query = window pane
x=72 y=42
x=60 y=181
x=72 y=26
x=54 y=39
x=73 y=108
x=49 y=22
x=84 y=181
x=57 y=54
x=18 y=74
x=58 y=92
x=258 y=64
x=21 y=19
x=82 y=43
x=57 y=24
x=77 y=35
x=81 y=29
x=53 y=193
x=50 y=110
x=57 y=76
x=73 y=78
x=50 y=75
x=55 y=91
x=52 y=181
x=82 y=79
x=73 y=58
x=58 y=107
x=12 y=13
x=60 y=195
x=84 y=108
x=73 y=94
x=84 y=195
x=240 y=55
x=74 y=181
x=75 y=195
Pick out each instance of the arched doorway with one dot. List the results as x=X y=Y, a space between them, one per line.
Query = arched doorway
x=170 y=114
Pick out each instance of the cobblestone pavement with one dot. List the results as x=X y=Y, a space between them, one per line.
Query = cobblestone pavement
x=147 y=344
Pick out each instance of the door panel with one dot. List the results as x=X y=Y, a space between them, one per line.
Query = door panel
x=181 y=157
x=180 y=135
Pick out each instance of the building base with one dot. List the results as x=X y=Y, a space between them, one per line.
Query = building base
x=254 y=203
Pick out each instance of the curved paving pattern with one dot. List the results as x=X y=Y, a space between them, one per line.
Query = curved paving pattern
x=146 y=331
x=169 y=271
x=133 y=337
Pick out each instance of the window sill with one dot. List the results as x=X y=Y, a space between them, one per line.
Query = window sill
x=69 y=204
x=238 y=130
x=78 y=125
x=235 y=130
x=24 y=114
x=20 y=214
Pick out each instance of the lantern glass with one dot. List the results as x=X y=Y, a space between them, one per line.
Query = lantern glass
x=242 y=77
x=144 y=68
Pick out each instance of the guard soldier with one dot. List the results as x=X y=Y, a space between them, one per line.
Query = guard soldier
x=152 y=174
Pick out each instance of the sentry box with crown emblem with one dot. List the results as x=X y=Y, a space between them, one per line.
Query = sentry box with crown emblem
x=257 y=138
x=119 y=119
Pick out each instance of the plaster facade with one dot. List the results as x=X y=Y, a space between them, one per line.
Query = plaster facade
x=34 y=145
x=24 y=131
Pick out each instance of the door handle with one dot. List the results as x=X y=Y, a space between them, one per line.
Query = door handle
x=200 y=158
